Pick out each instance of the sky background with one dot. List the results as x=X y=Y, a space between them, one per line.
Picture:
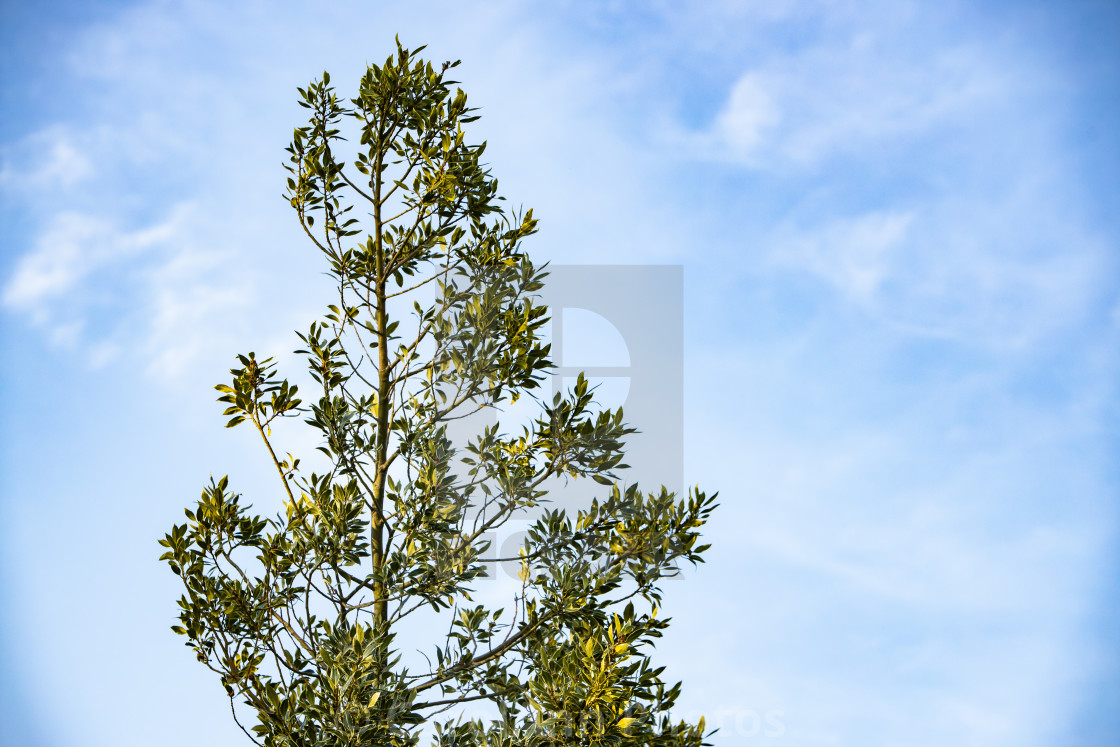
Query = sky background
x=899 y=225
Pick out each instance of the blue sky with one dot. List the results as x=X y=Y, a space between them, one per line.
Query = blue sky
x=898 y=226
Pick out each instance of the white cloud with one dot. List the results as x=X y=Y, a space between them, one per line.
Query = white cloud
x=868 y=96
x=55 y=264
x=187 y=301
x=95 y=287
x=858 y=90
x=748 y=115
x=853 y=255
x=73 y=246
x=66 y=334
x=102 y=354
x=45 y=160
x=1001 y=269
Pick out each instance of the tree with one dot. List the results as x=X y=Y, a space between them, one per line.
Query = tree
x=298 y=613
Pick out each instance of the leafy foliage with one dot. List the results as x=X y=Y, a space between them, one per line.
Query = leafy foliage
x=297 y=613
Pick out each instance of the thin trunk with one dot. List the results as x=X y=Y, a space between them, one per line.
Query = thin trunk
x=377 y=528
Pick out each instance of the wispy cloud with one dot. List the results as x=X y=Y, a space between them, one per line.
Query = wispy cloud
x=46 y=160
x=859 y=90
x=744 y=127
x=72 y=247
x=916 y=180
x=186 y=301
x=852 y=255
x=91 y=285
x=995 y=270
